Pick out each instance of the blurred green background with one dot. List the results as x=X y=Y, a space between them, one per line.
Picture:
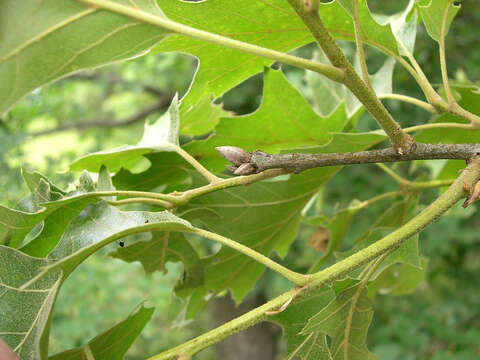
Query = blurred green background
x=441 y=320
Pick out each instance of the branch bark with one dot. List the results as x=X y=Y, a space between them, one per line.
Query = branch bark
x=455 y=192
x=401 y=141
x=258 y=161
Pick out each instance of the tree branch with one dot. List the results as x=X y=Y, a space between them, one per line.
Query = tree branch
x=401 y=141
x=455 y=192
x=105 y=123
x=329 y=71
x=259 y=161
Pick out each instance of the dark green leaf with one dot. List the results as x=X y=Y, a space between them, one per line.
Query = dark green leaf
x=346 y=320
x=25 y=310
x=168 y=172
x=293 y=319
x=163 y=247
x=337 y=227
x=398 y=279
x=29 y=285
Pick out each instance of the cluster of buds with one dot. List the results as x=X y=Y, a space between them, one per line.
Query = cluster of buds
x=239 y=158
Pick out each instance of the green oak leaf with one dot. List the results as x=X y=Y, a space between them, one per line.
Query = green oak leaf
x=25 y=311
x=284 y=120
x=161 y=135
x=57 y=212
x=33 y=179
x=337 y=228
x=277 y=27
x=162 y=247
x=470 y=100
x=113 y=343
x=100 y=224
x=340 y=142
x=398 y=279
x=346 y=320
x=322 y=93
x=16 y=224
x=404 y=28
x=326 y=95
x=375 y=30
x=294 y=318
x=60 y=40
x=104 y=183
x=432 y=13
x=395 y=216
x=168 y=172
x=27 y=297
x=239 y=213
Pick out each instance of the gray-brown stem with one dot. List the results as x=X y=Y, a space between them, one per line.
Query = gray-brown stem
x=297 y=162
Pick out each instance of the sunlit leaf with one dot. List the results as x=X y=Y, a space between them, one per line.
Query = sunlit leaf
x=284 y=120
x=263 y=216
x=63 y=39
x=277 y=28
x=161 y=135
x=326 y=95
x=432 y=15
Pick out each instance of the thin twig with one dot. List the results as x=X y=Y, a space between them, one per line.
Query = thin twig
x=445 y=125
x=410 y=100
x=441 y=48
x=297 y=162
x=358 y=41
x=143 y=200
x=199 y=167
x=401 y=141
x=296 y=278
x=391 y=242
x=392 y=174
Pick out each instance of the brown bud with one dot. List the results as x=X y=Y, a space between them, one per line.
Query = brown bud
x=245 y=169
x=319 y=240
x=231 y=168
x=237 y=156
